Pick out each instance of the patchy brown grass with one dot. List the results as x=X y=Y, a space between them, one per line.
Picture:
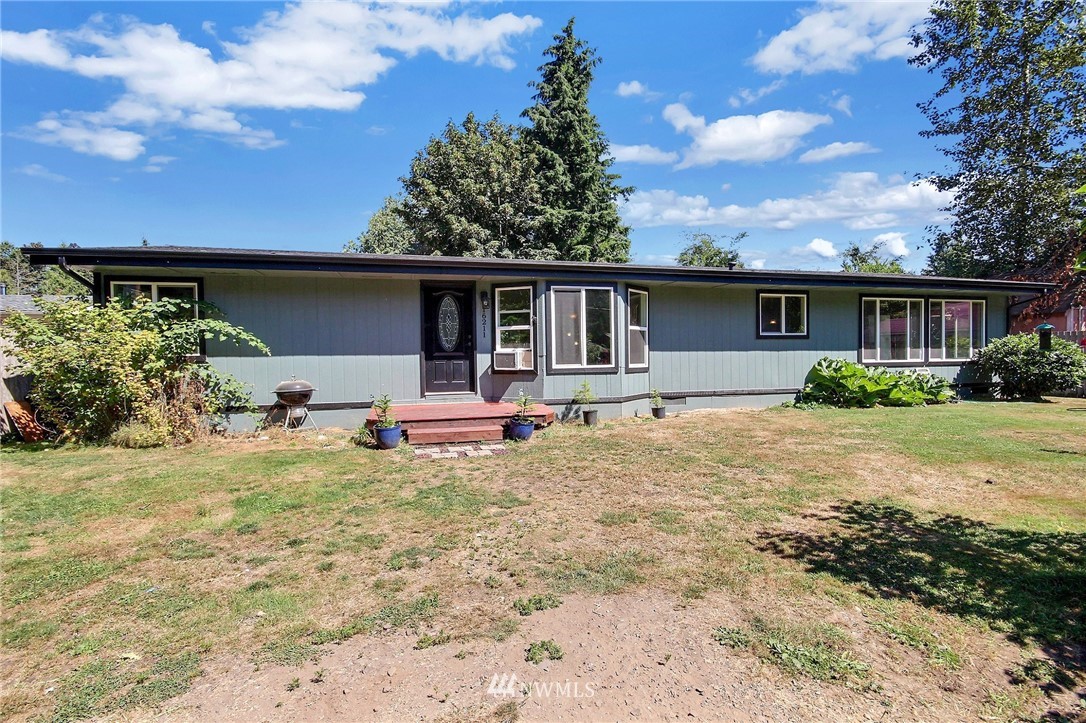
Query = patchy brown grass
x=126 y=572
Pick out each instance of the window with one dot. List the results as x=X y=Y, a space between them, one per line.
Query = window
x=514 y=330
x=957 y=329
x=156 y=290
x=637 y=353
x=782 y=314
x=582 y=327
x=893 y=330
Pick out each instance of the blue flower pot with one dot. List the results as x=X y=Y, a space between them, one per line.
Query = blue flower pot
x=387 y=437
x=520 y=430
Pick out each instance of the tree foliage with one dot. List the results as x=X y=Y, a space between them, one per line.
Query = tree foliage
x=474 y=191
x=95 y=369
x=579 y=210
x=706 y=250
x=22 y=277
x=870 y=261
x=387 y=233
x=1011 y=113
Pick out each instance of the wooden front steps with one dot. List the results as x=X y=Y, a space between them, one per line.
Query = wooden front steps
x=458 y=422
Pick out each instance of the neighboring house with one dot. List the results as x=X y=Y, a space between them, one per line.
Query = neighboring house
x=434 y=329
x=1064 y=306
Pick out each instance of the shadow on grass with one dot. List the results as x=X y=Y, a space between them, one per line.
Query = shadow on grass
x=1029 y=585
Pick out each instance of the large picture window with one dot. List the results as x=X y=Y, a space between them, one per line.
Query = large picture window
x=514 y=329
x=638 y=350
x=956 y=329
x=582 y=327
x=782 y=314
x=893 y=330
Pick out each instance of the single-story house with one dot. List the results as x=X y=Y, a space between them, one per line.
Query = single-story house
x=432 y=329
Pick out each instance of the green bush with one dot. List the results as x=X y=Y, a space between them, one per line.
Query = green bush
x=1025 y=371
x=96 y=368
x=841 y=383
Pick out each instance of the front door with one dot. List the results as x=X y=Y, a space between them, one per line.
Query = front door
x=448 y=345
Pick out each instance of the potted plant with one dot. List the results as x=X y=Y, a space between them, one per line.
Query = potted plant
x=585 y=398
x=387 y=431
x=521 y=425
x=658 y=409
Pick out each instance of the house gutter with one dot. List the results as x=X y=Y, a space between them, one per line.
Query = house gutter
x=62 y=264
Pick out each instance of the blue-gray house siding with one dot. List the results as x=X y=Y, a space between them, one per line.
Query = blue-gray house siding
x=352 y=325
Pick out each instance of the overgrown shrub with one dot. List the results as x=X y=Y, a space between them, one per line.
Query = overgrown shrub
x=841 y=383
x=96 y=368
x=1025 y=371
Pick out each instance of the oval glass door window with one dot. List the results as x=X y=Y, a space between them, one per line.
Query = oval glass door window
x=448 y=323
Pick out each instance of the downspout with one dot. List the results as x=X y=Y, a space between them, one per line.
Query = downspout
x=63 y=264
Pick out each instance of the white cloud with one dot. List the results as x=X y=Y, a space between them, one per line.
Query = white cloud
x=82 y=137
x=747 y=138
x=894 y=242
x=746 y=96
x=726 y=187
x=376 y=130
x=842 y=103
x=308 y=55
x=642 y=154
x=758 y=264
x=836 y=36
x=859 y=201
x=635 y=89
x=836 y=150
x=818 y=247
x=35 y=170
x=155 y=164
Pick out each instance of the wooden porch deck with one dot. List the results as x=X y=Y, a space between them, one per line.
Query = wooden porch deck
x=459 y=422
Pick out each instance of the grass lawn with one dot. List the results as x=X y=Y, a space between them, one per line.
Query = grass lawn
x=939 y=551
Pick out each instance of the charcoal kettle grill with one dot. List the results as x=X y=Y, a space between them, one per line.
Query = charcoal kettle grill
x=294 y=396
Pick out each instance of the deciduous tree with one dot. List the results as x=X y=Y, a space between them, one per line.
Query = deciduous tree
x=704 y=249
x=1011 y=115
x=870 y=260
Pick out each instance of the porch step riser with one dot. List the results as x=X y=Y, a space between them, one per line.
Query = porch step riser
x=439 y=435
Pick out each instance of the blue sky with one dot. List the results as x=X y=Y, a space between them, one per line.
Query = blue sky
x=271 y=125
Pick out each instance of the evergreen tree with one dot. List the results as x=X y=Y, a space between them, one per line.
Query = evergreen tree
x=1012 y=110
x=869 y=261
x=579 y=216
x=704 y=250
x=387 y=233
x=474 y=191
x=22 y=277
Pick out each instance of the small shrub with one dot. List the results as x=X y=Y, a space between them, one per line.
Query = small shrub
x=139 y=435
x=1025 y=371
x=841 y=383
x=362 y=437
x=542 y=650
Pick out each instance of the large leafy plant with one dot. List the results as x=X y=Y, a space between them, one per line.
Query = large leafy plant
x=1026 y=371
x=841 y=383
x=96 y=368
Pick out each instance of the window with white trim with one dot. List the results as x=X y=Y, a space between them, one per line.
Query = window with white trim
x=582 y=323
x=637 y=350
x=956 y=329
x=156 y=291
x=514 y=330
x=782 y=314
x=892 y=330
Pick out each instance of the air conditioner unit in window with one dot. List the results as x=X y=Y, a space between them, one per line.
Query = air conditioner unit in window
x=513 y=361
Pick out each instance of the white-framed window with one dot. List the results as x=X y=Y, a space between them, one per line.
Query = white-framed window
x=892 y=330
x=782 y=314
x=582 y=323
x=637 y=349
x=514 y=328
x=156 y=290
x=956 y=328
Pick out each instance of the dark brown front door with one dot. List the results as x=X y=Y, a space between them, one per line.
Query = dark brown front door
x=448 y=345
